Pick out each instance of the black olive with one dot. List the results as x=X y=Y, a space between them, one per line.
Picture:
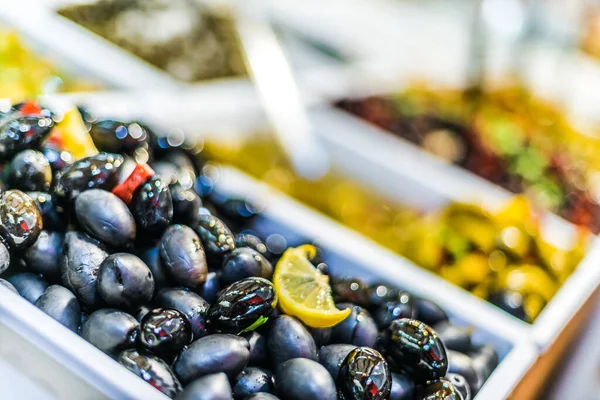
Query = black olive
x=403 y=387
x=262 y=396
x=303 y=379
x=151 y=369
x=322 y=336
x=58 y=159
x=237 y=210
x=79 y=265
x=20 y=220
x=332 y=357
x=62 y=305
x=124 y=281
x=100 y=171
x=30 y=286
x=244 y=262
x=110 y=330
x=44 y=255
x=182 y=256
x=118 y=137
x=19 y=132
x=454 y=337
x=215 y=236
x=429 y=312
x=152 y=206
x=462 y=364
x=211 y=354
x=53 y=217
x=29 y=170
x=351 y=290
x=209 y=387
x=381 y=293
x=364 y=375
x=151 y=257
x=186 y=204
x=289 y=338
x=165 y=331
x=105 y=217
x=460 y=384
x=358 y=328
x=392 y=310
x=438 y=390
x=415 y=349
x=252 y=241
x=252 y=380
x=259 y=355
x=211 y=288
x=243 y=305
x=189 y=303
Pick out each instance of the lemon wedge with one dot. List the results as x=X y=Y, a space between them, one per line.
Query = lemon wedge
x=304 y=292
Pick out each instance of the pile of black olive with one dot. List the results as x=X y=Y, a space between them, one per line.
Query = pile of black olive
x=133 y=249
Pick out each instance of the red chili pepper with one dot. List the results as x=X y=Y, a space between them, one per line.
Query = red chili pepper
x=30 y=108
x=125 y=189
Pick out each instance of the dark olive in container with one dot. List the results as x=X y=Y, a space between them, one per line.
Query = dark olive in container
x=429 y=312
x=186 y=203
x=30 y=286
x=289 y=338
x=358 y=328
x=259 y=355
x=118 y=137
x=350 y=290
x=152 y=370
x=454 y=337
x=29 y=170
x=20 y=220
x=211 y=288
x=403 y=388
x=19 y=132
x=152 y=206
x=151 y=257
x=165 y=331
x=389 y=311
x=252 y=380
x=303 y=379
x=332 y=356
x=209 y=387
x=364 y=375
x=182 y=256
x=53 y=216
x=62 y=305
x=44 y=255
x=110 y=330
x=215 y=236
x=244 y=262
x=189 y=303
x=125 y=281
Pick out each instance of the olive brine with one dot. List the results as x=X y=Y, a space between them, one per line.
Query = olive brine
x=117 y=232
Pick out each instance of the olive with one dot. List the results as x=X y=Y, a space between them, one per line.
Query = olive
x=152 y=370
x=58 y=159
x=303 y=379
x=124 y=281
x=358 y=328
x=252 y=380
x=189 y=303
x=209 y=387
x=332 y=357
x=392 y=310
x=511 y=302
x=244 y=262
x=29 y=170
x=165 y=331
x=8 y=285
x=429 y=312
x=243 y=306
x=258 y=348
x=237 y=210
x=20 y=220
x=100 y=171
x=4 y=258
x=321 y=336
x=62 y=305
x=30 y=286
x=289 y=338
x=152 y=206
x=105 y=217
x=44 y=255
x=403 y=387
x=215 y=236
x=186 y=203
x=211 y=288
x=214 y=353
x=460 y=384
x=462 y=364
x=438 y=390
x=415 y=349
x=454 y=337
x=151 y=257
x=79 y=265
x=118 y=137
x=182 y=256
x=252 y=241
x=364 y=374
x=350 y=290
x=52 y=214
x=262 y=396
x=110 y=330
x=19 y=132
x=381 y=293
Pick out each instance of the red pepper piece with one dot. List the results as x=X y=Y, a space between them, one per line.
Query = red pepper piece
x=125 y=189
x=30 y=108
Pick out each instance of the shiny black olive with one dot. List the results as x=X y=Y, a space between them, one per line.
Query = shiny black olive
x=124 y=281
x=332 y=357
x=415 y=349
x=182 y=256
x=57 y=159
x=403 y=387
x=252 y=241
x=110 y=330
x=244 y=262
x=19 y=132
x=215 y=236
x=381 y=293
x=350 y=290
x=29 y=170
x=100 y=171
x=209 y=387
x=62 y=305
x=259 y=355
x=358 y=328
x=189 y=303
x=186 y=204
x=454 y=337
x=53 y=217
x=462 y=364
x=152 y=206
x=303 y=379
x=392 y=310
x=429 y=312
x=79 y=265
x=364 y=374
x=211 y=354
x=20 y=220
x=211 y=288
x=460 y=384
x=438 y=390
x=152 y=370
x=118 y=137
x=322 y=336
x=30 y=286
x=44 y=255
x=8 y=285
x=4 y=258
x=165 y=331
x=511 y=302
x=289 y=338
x=252 y=380
x=243 y=305
x=105 y=217
x=151 y=257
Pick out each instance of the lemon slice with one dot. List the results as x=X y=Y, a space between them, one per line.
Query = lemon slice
x=303 y=291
